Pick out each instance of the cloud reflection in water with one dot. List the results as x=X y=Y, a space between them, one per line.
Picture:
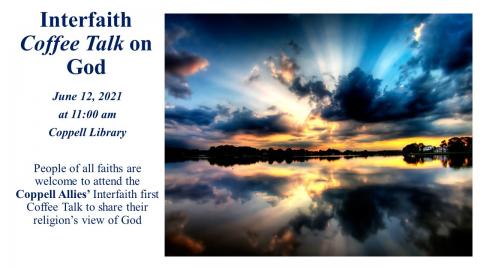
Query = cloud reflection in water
x=373 y=206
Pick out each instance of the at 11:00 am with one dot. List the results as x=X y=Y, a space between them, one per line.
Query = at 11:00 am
x=92 y=114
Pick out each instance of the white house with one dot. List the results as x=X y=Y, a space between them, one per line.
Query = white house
x=428 y=148
x=441 y=149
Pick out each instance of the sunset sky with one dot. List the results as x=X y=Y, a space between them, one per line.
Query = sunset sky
x=317 y=81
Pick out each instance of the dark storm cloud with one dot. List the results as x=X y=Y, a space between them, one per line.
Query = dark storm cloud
x=434 y=84
x=359 y=97
x=463 y=81
x=223 y=110
x=202 y=116
x=315 y=89
x=183 y=64
x=247 y=122
x=177 y=86
x=356 y=97
x=180 y=64
x=203 y=126
x=446 y=43
x=233 y=122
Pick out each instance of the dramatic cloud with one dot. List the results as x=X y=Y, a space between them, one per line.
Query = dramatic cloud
x=202 y=116
x=359 y=97
x=183 y=64
x=239 y=121
x=179 y=65
x=418 y=83
x=436 y=83
x=314 y=89
x=223 y=110
x=177 y=86
x=202 y=127
x=247 y=122
x=283 y=69
x=356 y=97
x=446 y=43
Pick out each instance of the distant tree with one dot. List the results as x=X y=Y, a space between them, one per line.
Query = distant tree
x=411 y=148
x=455 y=144
x=443 y=144
x=462 y=144
x=421 y=146
x=333 y=152
x=468 y=141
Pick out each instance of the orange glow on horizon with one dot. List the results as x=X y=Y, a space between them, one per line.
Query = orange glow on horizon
x=397 y=144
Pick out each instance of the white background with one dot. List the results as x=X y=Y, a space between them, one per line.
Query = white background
x=28 y=81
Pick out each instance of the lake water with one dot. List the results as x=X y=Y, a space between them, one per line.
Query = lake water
x=336 y=206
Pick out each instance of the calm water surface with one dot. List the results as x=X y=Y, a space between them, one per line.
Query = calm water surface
x=339 y=206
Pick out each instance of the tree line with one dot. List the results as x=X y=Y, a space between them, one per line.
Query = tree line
x=237 y=152
x=452 y=145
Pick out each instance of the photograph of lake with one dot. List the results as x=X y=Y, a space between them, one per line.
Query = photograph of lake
x=318 y=135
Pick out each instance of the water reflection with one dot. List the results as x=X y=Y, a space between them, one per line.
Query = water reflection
x=270 y=160
x=452 y=161
x=355 y=206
